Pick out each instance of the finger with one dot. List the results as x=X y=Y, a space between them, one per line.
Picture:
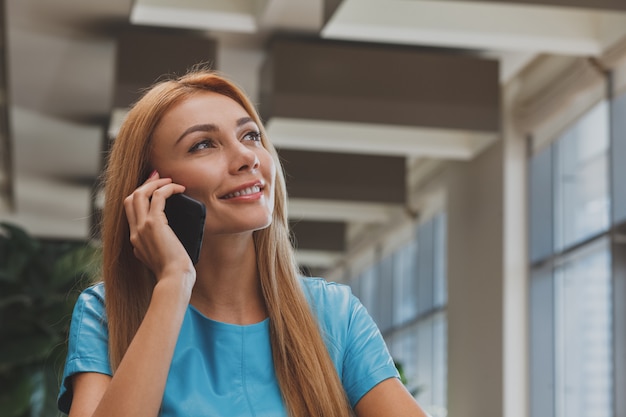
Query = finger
x=137 y=204
x=153 y=175
x=141 y=198
x=160 y=196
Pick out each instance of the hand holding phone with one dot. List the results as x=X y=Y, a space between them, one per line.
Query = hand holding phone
x=186 y=217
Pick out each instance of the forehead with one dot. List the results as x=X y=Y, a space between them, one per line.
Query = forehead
x=206 y=104
x=202 y=107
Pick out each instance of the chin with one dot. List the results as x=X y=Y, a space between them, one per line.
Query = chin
x=254 y=224
x=265 y=224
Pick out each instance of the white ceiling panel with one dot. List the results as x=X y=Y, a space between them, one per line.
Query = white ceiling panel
x=480 y=26
x=347 y=137
x=51 y=209
x=54 y=148
x=220 y=15
x=342 y=211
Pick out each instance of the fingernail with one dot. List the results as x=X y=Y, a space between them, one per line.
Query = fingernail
x=153 y=174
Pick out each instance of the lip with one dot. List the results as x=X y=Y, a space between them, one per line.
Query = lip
x=255 y=183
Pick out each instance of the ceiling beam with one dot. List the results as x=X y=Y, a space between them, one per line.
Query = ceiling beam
x=377 y=139
x=145 y=55
x=478 y=25
x=373 y=99
x=342 y=211
x=223 y=15
x=344 y=177
x=379 y=84
x=595 y=4
x=317 y=235
x=376 y=99
x=317 y=258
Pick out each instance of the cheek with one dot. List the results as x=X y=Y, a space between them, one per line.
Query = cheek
x=269 y=172
x=267 y=165
x=272 y=196
x=199 y=180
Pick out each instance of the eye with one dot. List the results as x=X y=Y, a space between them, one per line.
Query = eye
x=203 y=144
x=253 y=136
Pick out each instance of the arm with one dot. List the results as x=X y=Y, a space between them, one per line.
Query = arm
x=369 y=370
x=136 y=388
x=388 y=398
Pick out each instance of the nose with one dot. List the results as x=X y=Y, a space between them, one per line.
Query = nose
x=244 y=158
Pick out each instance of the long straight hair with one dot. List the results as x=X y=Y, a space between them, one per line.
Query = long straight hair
x=308 y=380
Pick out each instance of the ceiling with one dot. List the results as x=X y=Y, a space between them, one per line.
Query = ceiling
x=62 y=74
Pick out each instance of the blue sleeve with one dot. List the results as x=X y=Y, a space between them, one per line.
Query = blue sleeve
x=88 y=342
x=354 y=342
x=367 y=361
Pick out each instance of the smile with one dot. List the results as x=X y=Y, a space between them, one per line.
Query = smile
x=246 y=191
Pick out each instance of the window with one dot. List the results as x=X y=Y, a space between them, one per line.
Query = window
x=583 y=340
x=571 y=284
x=581 y=179
x=405 y=292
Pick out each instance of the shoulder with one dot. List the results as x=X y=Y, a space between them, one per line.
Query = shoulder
x=323 y=294
x=321 y=285
x=92 y=296
x=94 y=291
x=333 y=305
x=90 y=305
x=89 y=326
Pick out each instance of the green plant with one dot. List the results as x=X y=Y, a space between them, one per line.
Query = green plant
x=39 y=283
x=413 y=390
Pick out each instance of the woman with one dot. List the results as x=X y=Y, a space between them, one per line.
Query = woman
x=239 y=333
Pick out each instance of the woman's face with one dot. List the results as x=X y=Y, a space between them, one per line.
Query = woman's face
x=210 y=144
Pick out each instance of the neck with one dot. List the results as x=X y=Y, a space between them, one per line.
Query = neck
x=227 y=287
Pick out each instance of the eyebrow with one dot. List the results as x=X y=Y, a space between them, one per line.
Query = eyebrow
x=210 y=127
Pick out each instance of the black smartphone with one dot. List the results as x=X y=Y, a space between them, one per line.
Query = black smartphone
x=186 y=216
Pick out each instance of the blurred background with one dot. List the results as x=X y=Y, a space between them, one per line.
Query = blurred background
x=458 y=163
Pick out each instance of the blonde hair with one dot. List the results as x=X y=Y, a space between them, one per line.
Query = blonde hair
x=306 y=375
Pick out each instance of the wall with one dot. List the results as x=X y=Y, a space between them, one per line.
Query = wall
x=475 y=285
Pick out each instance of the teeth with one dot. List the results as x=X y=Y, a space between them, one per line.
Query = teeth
x=246 y=191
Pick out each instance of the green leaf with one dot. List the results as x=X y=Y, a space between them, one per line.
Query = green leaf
x=47 y=406
x=39 y=284
x=11 y=300
x=84 y=260
x=15 y=398
x=24 y=350
x=38 y=393
x=17 y=251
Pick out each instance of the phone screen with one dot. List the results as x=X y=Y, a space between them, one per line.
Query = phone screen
x=186 y=217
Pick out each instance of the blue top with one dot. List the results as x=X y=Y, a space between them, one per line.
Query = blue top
x=221 y=369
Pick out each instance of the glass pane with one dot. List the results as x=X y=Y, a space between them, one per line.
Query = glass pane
x=540 y=201
x=441 y=283
x=440 y=366
x=542 y=343
x=385 y=294
x=367 y=291
x=405 y=283
x=581 y=182
x=425 y=266
x=584 y=343
x=424 y=377
x=618 y=152
x=618 y=261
